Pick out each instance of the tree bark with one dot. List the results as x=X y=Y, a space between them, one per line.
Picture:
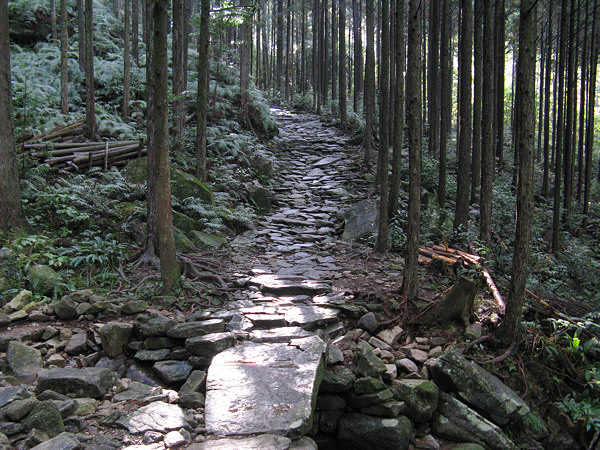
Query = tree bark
x=179 y=67
x=246 y=35
x=398 y=128
x=384 y=106
x=358 y=54
x=160 y=152
x=135 y=26
x=342 y=65
x=570 y=118
x=81 y=33
x=53 y=24
x=446 y=70
x=477 y=93
x=413 y=118
x=582 y=104
x=64 y=58
x=589 y=132
x=11 y=209
x=90 y=116
x=461 y=216
x=202 y=101
x=558 y=152
x=433 y=78
x=334 y=48
x=546 y=176
x=487 y=114
x=126 y=61
x=499 y=80
x=525 y=146
x=279 y=44
x=369 y=85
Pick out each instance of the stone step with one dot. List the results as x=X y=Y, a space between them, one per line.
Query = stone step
x=264 y=388
x=289 y=284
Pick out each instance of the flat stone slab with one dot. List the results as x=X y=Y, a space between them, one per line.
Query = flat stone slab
x=260 y=442
x=309 y=316
x=289 y=285
x=264 y=388
x=157 y=416
x=88 y=382
x=279 y=335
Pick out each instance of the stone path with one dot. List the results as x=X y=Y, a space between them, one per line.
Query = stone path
x=269 y=385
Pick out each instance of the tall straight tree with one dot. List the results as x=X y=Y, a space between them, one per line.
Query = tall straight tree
x=547 y=78
x=279 y=18
x=499 y=80
x=433 y=78
x=384 y=129
x=81 y=33
x=160 y=151
x=179 y=66
x=11 y=209
x=126 y=60
x=570 y=116
x=369 y=85
x=202 y=101
x=135 y=30
x=342 y=65
x=589 y=132
x=413 y=119
x=461 y=215
x=358 y=53
x=64 y=58
x=399 y=48
x=90 y=104
x=446 y=96
x=477 y=92
x=246 y=35
x=525 y=116
x=558 y=148
x=334 y=49
x=487 y=102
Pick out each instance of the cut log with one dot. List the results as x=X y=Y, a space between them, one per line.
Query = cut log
x=456 y=305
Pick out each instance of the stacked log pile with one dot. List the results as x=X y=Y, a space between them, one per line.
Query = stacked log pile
x=62 y=148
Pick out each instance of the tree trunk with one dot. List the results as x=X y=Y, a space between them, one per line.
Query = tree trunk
x=546 y=176
x=582 y=98
x=279 y=73
x=413 y=118
x=135 y=25
x=477 y=93
x=487 y=114
x=358 y=54
x=342 y=65
x=446 y=70
x=152 y=220
x=179 y=67
x=81 y=33
x=369 y=85
x=525 y=116
x=64 y=61
x=461 y=216
x=90 y=116
x=160 y=152
x=400 y=46
x=384 y=106
x=202 y=101
x=334 y=49
x=589 y=135
x=288 y=50
x=433 y=78
x=558 y=152
x=11 y=209
x=246 y=35
x=499 y=80
x=570 y=118
x=126 y=62
x=303 y=50
x=53 y=25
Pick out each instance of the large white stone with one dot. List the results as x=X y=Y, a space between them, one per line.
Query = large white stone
x=264 y=388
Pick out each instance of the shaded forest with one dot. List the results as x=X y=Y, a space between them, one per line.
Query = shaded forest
x=138 y=139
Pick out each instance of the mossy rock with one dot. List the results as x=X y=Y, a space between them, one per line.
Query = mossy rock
x=260 y=198
x=43 y=279
x=185 y=223
x=182 y=242
x=207 y=241
x=124 y=209
x=10 y=274
x=183 y=184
